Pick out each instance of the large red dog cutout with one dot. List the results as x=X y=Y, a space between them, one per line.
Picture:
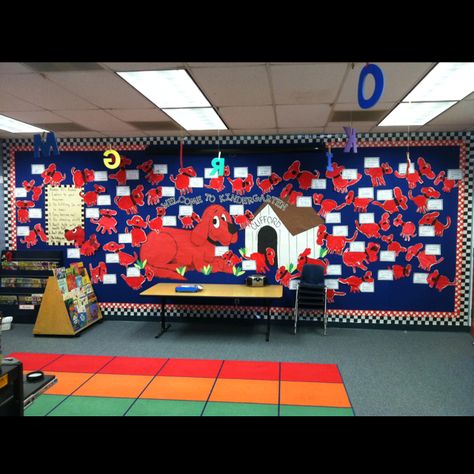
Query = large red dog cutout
x=173 y=248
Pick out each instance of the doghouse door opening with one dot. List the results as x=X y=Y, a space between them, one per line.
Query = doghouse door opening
x=267 y=237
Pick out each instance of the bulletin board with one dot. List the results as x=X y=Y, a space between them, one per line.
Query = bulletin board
x=395 y=247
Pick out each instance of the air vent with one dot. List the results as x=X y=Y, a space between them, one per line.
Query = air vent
x=163 y=125
x=60 y=67
x=357 y=115
x=62 y=127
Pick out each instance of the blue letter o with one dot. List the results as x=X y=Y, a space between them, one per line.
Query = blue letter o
x=378 y=91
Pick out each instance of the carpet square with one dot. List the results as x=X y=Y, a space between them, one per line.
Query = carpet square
x=179 y=388
x=240 y=409
x=245 y=391
x=42 y=405
x=133 y=366
x=298 y=410
x=67 y=382
x=78 y=363
x=148 y=407
x=308 y=372
x=191 y=368
x=235 y=369
x=34 y=361
x=313 y=394
x=92 y=406
x=113 y=385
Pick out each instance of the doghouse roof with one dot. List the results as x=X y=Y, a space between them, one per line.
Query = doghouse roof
x=296 y=219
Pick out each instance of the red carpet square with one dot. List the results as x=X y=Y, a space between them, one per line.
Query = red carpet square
x=255 y=370
x=191 y=368
x=78 y=363
x=306 y=372
x=133 y=366
x=34 y=361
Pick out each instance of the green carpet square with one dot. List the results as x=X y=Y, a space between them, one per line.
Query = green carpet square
x=42 y=405
x=295 y=410
x=92 y=406
x=240 y=409
x=145 y=407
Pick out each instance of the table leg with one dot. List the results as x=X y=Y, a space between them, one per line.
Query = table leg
x=164 y=327
x=267 y=338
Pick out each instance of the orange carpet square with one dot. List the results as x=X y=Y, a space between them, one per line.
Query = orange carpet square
x=179 y=388
x=67 y=382
x=314 y=394
x=245 y=391
x=112 y=385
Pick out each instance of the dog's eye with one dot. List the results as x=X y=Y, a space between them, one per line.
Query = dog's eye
x=215 y=222
x=224 y=218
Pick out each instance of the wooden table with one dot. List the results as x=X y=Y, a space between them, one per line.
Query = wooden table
x=164 y=290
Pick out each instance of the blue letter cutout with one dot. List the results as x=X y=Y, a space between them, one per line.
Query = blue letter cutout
x=45 y=147
x=352 y=141
x=217 y=164
x=378 y=90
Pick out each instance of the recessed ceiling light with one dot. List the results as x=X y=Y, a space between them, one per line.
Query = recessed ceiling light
x=204 y=118
x=15 y=126
x=167 y=88
x=414 y=113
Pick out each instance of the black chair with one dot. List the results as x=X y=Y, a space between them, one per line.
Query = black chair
x=311 y=292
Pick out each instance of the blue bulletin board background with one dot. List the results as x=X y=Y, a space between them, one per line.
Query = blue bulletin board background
x=400 y=299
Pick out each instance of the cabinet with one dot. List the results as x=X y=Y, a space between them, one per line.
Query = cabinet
x=11 y=389
x=23 y=279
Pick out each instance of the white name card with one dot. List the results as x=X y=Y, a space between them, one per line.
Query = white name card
x=333 y=270
x=168 y=191
x=249 y=265
x=454 y=174
x=357 y=246
x=384 y=195
x=26 y=306
x=366 y=193
x=340 y=230
x=426 y=231
x=160 y=168
x=420 y=278
x=387 y=256
x=435 y=204
x=264 y=170
x=236 y=209
x=366 y=218
x=185 y=210
x=37 y=169
x=110 y=279
x=20 y=192
x=103 y=200
x=220 y=250
x=208 y=175
x=133 y=272
x=132 y=174
x=350 y=173
x=318 y=184
x=123 y=191
x=169 y=221
x=92 y=213
x=112 y=258
x=22 y=230
x=35 y=213
x=385 y=275
x=293 y=285
x=333 y=218
x=332 y=284
x=196 y=182
x=101 y=176
x=304 y=201
x=402 y=168
x=125 y=238
x=367 y=287
x=241 y=172
x=433 y=249
x=73 y=253
x=371 y=162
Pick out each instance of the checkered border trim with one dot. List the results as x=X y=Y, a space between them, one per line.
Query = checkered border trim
x=460 y=317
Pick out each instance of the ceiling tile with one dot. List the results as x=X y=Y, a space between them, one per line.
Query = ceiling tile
x=307 y=83
x=40 y=116
x=234 y=86
x=84 y=134
x=302 y=115
x=447 y=128
x=136 y=115
x=97 y=120
x=10 y=103
x=143 y=66
x=301 y=130
x=248 y=117
x=102 y=88
x=337 y=127
x=219 y=65
x=399 y=79
x=259 y=132
x=461 y=113
x=13 y=68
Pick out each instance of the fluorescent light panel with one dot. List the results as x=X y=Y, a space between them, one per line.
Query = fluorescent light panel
x=414 y=113
x=15 y=126
x=167 y=88
x=204 y=118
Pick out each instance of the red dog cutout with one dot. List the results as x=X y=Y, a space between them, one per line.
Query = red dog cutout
x=412 y=178
x=392 y=205
x=77 y=235
x=138 y=233
x=244 y=219
x=173 y=248
x=432 y=219
x=157 y=223
x=440 y=282
x=51 y=176
x=267 y=184
x=292 y=195
x=23 y=214
x=304 y=178
x=327 y=205
x=399 y=271
x=32 y=238
x=217 y=183
x=80 y=178
x=97 y=273
x=408 y=228
x=393 y=246
x=90 y=198
x=421 y=201
x=354 y=282
x=181 y=181
x=330 y=294
x=303 y=258
x=358 y=259
x=425 y=262
x=360 y=204
x=152 y=177
x=129 y=203
x=90 y=247
x=339 y=183
x=106 y=223
x=377 y=174
x=334 y=243
x=448 y=184
x=263 y=260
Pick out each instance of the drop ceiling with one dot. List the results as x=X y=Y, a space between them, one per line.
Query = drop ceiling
x=91 y=100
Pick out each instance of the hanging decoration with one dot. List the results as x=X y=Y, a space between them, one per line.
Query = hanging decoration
x=329 y=156
x=218 y=165
x=351 y=139
x=43 y=145
x=377 y=74
x=114 y=162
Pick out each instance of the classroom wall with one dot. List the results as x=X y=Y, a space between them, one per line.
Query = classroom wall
x=404 y=300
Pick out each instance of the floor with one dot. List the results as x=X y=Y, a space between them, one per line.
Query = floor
x=385 y=372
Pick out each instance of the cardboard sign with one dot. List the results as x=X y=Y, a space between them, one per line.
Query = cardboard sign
x=333 y=270
x=420 y=278
x=196 y=182
x=304 y=201
x=236 y=209
x=110 y=279
x=365 y=193
x=350 y=173
x=367 y=287
x=433 y=249
x=248 y=265
x=133 y=272
x=168 y=191
x=104 y=200
x=340 y=230
x=73 y=253
x=293 y=285
x=20 y=192
x=112 y=258
x=426 y=231
x=357 y=246
x=125 y=238
x=161 y=168
x=101 y=176
x=331 y=283
x=185 y=210
x=264 y=170
x=241 y=172
x=123 y=191
x=387 y=256
x=402 y=168
x=207 y=173
x=132 y=174
x=92 y=213
x=435 y=204
x=385 y=275
x=318 y=184
x=220 y=250
x=366 y=218
x=385 y=195
x=371 y=162
x=169 y=221
x=37 y=169
x=333 y=218
x=454 y=174
x=35 y=213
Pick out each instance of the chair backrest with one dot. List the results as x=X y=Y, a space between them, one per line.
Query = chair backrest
x=312 y=273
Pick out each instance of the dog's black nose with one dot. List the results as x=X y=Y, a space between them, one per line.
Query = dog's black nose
x=232 y=228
